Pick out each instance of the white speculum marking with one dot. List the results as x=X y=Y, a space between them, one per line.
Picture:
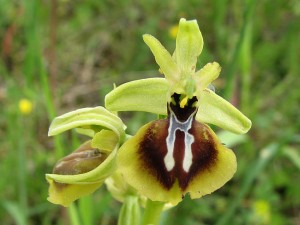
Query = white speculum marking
x=174 y=125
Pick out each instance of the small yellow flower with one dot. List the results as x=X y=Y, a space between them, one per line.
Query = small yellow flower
x=25 y=106
x=262 y=211
x=173 y=31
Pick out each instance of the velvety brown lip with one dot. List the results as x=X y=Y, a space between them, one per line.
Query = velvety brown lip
x=153 y=148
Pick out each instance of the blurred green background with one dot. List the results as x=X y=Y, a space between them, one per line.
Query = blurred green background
x=61 y=55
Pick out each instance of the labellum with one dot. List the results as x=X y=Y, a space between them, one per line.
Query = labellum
x=82 y=160
x=177 y=155
x=178 y=147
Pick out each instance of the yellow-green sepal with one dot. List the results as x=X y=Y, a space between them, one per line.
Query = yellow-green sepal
x=148 y=95
x=88 y=118
x=163 y=58
x=189 y=44
x=213 y=109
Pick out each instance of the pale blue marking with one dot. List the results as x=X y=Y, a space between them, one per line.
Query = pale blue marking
x=174 y=125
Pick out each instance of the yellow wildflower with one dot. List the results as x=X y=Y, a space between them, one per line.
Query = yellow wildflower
x=173 y=31
x=25 y=106
x=262 y=211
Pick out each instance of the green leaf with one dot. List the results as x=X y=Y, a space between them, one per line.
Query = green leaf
x=189 y=44
x=147 y=95
x=87 y=118
x=215 y=110
x=15 y=211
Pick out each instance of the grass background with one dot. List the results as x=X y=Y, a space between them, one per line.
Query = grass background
x=63 y=55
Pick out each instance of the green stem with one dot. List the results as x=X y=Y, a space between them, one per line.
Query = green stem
x=152 y=212
x=130 y=211
x=22 y=173
x=73 y=215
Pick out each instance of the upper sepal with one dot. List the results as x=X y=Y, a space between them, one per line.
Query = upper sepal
x=189 y=44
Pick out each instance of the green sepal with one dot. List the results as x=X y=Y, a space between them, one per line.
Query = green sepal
x=189 y=44
x=147 y=95
x=163 y=58
x=90 y=118
x=213 y=109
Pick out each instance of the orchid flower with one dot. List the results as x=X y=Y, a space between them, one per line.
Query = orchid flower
x=168 y=158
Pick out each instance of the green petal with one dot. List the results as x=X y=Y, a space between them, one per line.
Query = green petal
x=148 y=95
x=189 y=44
x=163 y=58
x=105 y=140
x=207 y=74
x=86 y=118
x=215 y=110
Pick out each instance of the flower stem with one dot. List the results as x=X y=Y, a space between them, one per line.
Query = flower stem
x=152 y=212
